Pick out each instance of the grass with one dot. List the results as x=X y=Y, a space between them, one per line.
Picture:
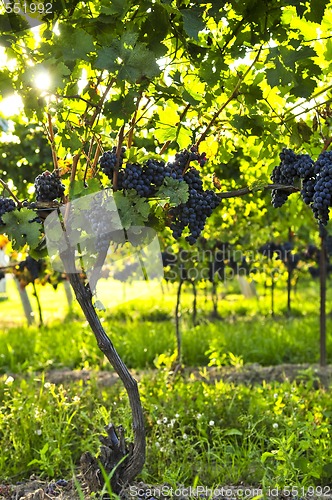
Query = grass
x=275 y=434
x=144 y=330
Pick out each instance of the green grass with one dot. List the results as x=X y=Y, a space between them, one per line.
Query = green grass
x=198 y=433
x=214 y=433
x=144 y=329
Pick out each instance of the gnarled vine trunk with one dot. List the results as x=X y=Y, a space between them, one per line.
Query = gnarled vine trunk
x=113 y=448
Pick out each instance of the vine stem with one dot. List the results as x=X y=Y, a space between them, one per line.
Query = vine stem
x=118 y=154
x=248 y=190
x=51 y=138
x=327 y=143
x=231 y=97
x=10 y=191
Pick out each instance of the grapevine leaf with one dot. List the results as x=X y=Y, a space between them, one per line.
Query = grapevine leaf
x=142 y=207
x=75 y=43
x=176 y=192
x=192 y=21
x=20 y=229
x=78 y=188
x=140 y=63
x=157 y=219
x=133 y=211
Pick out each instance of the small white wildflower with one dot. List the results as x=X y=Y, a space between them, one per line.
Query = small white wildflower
x=9 y=380
x=176 y=415
x=157 y=444
x=38 y=432
x=198 y=416
x=165 y=420
x=76 y=399
x=275 y=395
x=159 y=421
x=275 y=425
x=184 y=436
x=211 y=423
x=171 y=441
x=47 y=385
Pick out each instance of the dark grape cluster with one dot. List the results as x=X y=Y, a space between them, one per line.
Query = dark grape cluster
x=306 y=171
x=308 y=190
x=316 y=179
x=135 y=178
x=194 y=155
x=6 y=205
x=284 y=173
x=304 y=167
x=321 y=200
x=146 y=179
x=196 y=210
x=33 y=266
x=108 y=162
x=48 y=186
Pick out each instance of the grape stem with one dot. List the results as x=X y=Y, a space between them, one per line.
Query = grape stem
x=118 y=154
x=327 y=143
x=10 y=191
x=88 y=160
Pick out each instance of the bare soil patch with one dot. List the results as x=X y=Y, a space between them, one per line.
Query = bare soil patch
x=248 y=374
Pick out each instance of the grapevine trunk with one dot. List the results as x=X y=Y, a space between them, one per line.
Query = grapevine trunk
x=133 y=464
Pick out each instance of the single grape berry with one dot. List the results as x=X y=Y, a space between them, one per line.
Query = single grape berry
x=48 y=186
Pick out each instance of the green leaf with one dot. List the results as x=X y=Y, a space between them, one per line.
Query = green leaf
x=140 y=62
x=183 y=137
x=278 y=75
x=174 y=191
x=192 y=21
x=78 y=188
x=316 y=12
x=75 y=43
x=233 y=432
x=20 y=230
x=266 y=455
x=133 y=210
x=328 y=51
x=304 y=130
x=115 y=8
x=6 y=84
x=143 y=208
x=304 y=88
x=106 y=57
